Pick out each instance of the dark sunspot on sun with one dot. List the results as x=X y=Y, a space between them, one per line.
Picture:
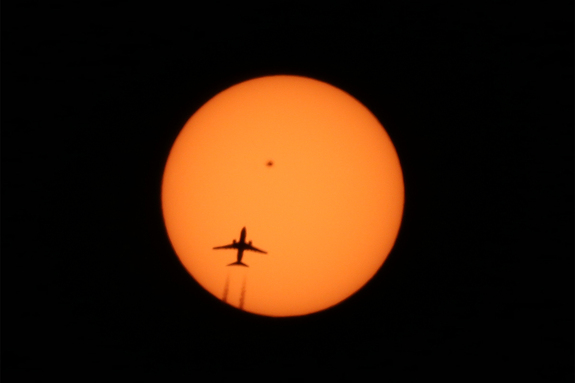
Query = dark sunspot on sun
x=269 y=163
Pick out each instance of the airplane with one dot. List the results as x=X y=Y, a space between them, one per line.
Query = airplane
x=241 y=246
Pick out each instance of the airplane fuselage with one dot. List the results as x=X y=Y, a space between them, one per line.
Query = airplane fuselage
x=241 y=246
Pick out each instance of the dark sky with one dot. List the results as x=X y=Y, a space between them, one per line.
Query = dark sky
x=478 y=100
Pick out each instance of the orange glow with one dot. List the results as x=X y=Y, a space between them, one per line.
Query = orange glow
x=311 y=174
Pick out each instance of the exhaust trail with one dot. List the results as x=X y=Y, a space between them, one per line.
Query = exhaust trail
x=242 y=297
x=226 y=288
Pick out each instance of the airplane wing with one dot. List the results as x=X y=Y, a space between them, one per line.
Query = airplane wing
x=231 y=246
x=250 y=247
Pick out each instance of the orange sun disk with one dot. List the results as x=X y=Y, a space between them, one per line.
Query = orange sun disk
x=312 y=175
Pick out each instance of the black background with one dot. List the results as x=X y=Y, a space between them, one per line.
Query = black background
x=478 y=100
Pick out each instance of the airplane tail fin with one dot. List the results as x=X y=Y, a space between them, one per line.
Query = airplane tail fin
x=238 y=263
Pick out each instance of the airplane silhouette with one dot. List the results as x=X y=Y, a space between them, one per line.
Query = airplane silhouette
x=241 y=246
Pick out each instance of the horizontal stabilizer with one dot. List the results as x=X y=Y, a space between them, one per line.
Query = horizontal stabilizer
x=238 y=263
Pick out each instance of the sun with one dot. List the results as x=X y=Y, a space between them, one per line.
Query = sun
x=311 y=175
